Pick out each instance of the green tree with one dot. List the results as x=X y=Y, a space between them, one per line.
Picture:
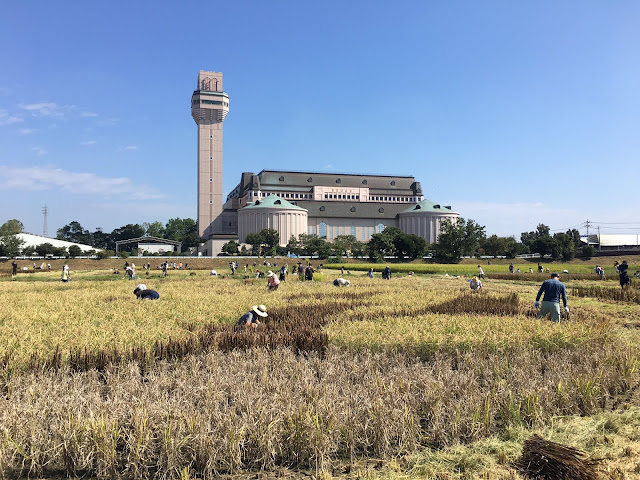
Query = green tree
x=154 y=229
x=102 y=240
x=11 y=245
x=256 y=241
x=45 y=249
x=11 y=227
x=564 y=246
x=540 y=241
x=312 y=244
x=588 y=251
x=409 y=245
x=383 y=243
x=270 y=237
x=458 y=238
x=102 y=254
x=358 y=249
x=294 y=246
x=231 y=247
x=512 y=248
x=75 y=251
x=342 y=244
x=73 y=232
x=178 y=228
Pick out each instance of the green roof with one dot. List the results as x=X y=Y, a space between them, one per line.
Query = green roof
x=428 y=206
x=273 y=201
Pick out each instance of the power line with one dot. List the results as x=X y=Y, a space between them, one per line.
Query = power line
x=45 y=232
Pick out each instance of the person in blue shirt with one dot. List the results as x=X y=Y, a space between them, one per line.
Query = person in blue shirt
x=253 y=316
x=144 y=293
x=553 y=289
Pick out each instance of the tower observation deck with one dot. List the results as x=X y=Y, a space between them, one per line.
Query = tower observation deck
x=209 y=108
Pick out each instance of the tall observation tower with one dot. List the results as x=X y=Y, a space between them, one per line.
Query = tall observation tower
x=209 y=107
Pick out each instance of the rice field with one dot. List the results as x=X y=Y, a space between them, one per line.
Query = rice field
x=416 y=377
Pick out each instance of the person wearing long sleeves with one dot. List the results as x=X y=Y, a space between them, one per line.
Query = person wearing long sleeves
x=553 y=289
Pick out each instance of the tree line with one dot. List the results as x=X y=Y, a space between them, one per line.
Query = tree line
x=183 y=230
x=458 y=238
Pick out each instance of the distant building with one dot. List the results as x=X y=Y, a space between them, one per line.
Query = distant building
x=294 y=202
x=614 y=242
x=35 y=240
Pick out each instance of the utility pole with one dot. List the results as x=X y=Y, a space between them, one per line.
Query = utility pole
x=587 y=231
x=599 y=247
x=45 y=211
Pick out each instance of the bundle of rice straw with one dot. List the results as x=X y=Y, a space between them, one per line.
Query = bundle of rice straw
x=542 y=459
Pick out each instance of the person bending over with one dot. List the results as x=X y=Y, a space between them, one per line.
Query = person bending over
x=144 y=293
x=253 y=316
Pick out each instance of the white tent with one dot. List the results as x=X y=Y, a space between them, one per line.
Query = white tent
x=35 y=240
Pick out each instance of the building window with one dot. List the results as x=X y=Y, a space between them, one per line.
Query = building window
x=353 y=209
x=322 y=230
x=393 y=182
x=322 y=208
x=326 y=196
x=353 y=231
x=338 y=180
x=379 y=228
x=364 y=182
x=281 y=179
x=381 y=210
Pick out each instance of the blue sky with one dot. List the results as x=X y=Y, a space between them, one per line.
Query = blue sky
x=514 y=113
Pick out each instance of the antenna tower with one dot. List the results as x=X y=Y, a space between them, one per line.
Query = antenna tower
x=45 y=232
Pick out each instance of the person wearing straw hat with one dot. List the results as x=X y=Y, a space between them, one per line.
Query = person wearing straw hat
x=253 y=316
x=272 y=281
x=144 y=293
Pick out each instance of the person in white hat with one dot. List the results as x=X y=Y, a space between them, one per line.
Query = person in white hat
x=341 y=282
x=144 y=293
x=253 y=316
x=272 y=281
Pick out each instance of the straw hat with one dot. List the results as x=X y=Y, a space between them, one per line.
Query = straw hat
x=270 y=274
x=260 y=310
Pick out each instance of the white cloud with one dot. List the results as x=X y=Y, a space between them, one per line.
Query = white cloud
x=6 y=119
x=51 y=178
x=88 y=114
x=39 y=151
x=130 y=147
x=26 y=131
x=48 y=109
x=88 y=142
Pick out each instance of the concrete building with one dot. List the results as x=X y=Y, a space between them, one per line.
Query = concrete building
x=295 y=202
x=424 y=219
x=209 y=108
x=272 y=212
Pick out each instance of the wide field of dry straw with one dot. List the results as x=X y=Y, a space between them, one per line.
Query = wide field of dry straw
x=398 y=367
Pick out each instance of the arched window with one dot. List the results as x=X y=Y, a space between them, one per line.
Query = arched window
x=322 y=230
x=380 y=228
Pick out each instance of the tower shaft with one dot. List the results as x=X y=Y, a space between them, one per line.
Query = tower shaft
x=209 y=107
